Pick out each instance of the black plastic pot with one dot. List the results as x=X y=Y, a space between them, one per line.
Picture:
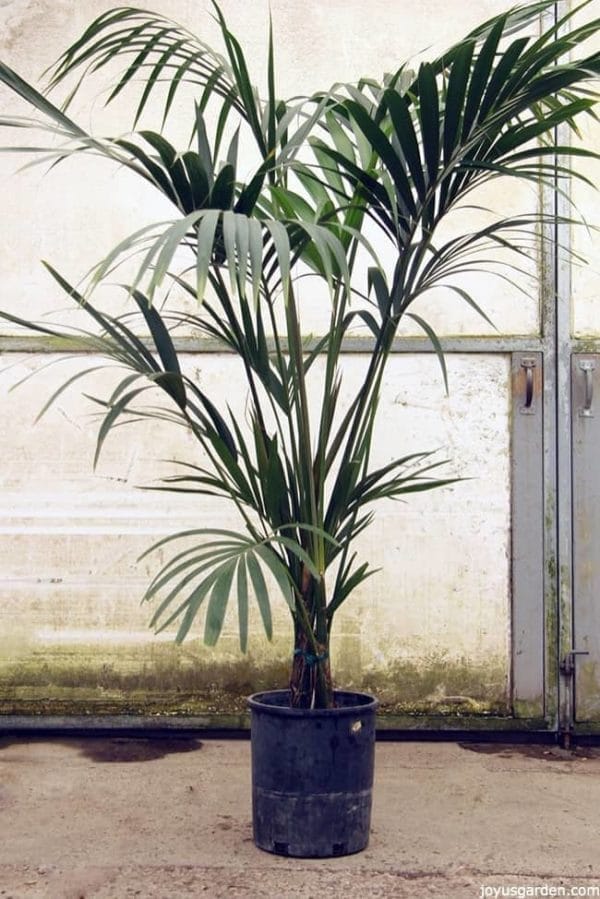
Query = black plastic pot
x=312 y=774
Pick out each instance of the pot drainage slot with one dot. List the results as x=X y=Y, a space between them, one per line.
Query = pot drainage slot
x=338 y=849
x=281 y=848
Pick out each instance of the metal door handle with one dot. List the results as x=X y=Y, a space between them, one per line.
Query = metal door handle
x=528 y=365
x=587 y=367
x=567 y=666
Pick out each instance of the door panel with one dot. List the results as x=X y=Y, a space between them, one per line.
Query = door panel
x=584 y=303
x=586 y=534
x=527 y=535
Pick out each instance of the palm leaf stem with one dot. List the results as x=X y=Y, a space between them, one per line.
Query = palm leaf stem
x=329 y=393
x=310 y=505
x=289 y=435
x=223 y=295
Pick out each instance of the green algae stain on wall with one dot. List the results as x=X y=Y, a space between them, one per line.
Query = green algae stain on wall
x=158 y=678
x=163 y=679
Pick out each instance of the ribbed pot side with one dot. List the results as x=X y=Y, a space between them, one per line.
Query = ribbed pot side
x=312 y=774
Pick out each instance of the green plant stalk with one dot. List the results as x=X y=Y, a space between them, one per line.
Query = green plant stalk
x=225 y=302
x=322 y=614
x=310 y=680
x=334 y=346
x=219 y=467
x=312 y=595
x=333 y=605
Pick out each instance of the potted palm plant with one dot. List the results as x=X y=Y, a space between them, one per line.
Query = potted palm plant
x=342 y=177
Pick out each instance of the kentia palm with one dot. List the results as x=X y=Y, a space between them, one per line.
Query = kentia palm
x=398 y=156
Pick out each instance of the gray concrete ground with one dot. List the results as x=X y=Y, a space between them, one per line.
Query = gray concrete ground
x=118 y=818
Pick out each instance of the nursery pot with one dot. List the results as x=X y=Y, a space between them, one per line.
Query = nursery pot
x=312 y=774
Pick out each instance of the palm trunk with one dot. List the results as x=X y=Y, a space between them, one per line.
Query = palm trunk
x=310 y=680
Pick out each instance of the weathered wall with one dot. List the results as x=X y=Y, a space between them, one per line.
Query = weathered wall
x=69 y=595
x=432 y=629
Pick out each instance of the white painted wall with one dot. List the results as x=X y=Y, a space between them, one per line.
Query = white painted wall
x=79 y=211
x=69 y=538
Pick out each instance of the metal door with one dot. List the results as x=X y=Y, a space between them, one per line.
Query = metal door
x=582 y=663
x=578 y=440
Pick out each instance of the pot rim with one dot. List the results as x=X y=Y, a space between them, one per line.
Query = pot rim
x=258 y=702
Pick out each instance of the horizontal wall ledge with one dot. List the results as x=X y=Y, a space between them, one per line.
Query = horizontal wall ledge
x=464 y=344
x=238 y=726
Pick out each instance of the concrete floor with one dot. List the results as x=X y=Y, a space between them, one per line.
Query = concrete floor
x=117 y=818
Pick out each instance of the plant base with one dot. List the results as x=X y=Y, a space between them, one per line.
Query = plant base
x=312 y=774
